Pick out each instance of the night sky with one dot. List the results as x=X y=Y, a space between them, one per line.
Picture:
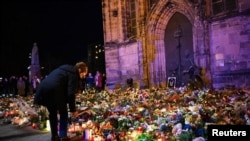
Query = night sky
x=62 y=30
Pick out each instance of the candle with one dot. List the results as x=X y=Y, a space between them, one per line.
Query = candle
x=88 y=134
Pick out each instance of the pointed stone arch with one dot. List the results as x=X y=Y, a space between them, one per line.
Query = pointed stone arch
x=156 y=25
x=179 y=50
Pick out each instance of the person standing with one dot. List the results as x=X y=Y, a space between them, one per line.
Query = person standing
x=90 y=81
x=13 y=85
x=1 y=87
x=6 y=85
x=21 y=86
x=57 y=93
x=35 y=82
x=27 y=85
x=98 y=81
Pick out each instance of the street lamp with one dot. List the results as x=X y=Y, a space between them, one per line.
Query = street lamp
x=178 y=35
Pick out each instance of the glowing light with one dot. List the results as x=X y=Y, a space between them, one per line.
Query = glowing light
x=47 y=125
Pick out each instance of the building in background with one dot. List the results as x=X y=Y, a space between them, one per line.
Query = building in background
x=151 y=40
x=96 y=58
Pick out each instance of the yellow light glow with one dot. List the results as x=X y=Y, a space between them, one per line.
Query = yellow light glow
x=47 y=125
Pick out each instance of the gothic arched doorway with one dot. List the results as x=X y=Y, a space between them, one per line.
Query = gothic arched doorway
x=179 y=53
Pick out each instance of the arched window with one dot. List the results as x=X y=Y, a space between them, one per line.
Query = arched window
x=131 y=19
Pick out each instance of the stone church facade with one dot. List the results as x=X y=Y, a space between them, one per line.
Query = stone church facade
x=151 y=40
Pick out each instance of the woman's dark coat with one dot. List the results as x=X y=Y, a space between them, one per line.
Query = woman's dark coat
x=59 y=88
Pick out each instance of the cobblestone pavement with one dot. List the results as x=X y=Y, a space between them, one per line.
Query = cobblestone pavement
x=9 y=132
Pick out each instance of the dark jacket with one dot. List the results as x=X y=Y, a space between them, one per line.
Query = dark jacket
x=58 y=88
x=90 y=81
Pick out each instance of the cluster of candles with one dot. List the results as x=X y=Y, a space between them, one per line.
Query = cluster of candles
x=86 y=129
x=89 y=132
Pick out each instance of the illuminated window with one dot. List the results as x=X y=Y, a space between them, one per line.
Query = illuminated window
x=222 y=6
x=131 y=25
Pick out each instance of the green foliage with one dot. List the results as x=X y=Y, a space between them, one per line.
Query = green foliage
x=144 y=137
x=185 y=136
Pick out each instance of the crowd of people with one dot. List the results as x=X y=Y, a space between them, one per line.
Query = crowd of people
x=23 y=86
x=18 y=85
x=97 y=81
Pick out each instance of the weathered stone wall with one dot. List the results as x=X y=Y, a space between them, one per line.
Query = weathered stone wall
x=113 y=21
x=130 y=61
x=221 y=46
x=123 y=62
x=112 y=64
x=230 y=51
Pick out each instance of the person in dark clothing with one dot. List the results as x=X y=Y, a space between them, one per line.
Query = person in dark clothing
x=1 y=87
x=13 y=85
x=130 y=82
x=57 y=93
x=90 y=81
x=27 y=85
x=6 y=86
